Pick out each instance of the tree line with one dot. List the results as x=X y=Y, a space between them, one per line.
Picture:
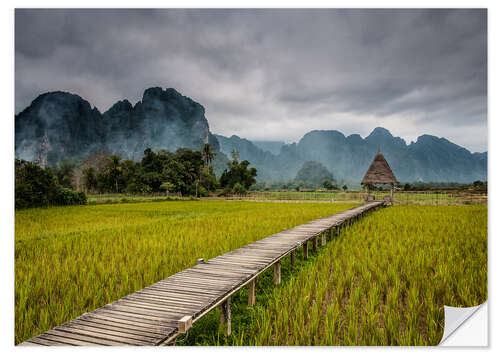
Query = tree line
x=185 y=172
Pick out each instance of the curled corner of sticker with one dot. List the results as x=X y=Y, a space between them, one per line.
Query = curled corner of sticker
x=454 y=317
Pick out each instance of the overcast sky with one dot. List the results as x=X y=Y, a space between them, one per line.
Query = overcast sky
x=271 y=74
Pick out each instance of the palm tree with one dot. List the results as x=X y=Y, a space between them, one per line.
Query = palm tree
x=208 y=154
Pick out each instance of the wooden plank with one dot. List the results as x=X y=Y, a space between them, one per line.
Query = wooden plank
x=102 y=337
x=194 y=284
x=189 y=290
x=137 y=316
x=63 y=336
x=143 y=312
x=121 y=329
x=277 y=272
x=31 y=344
x=251 y=293
x=166 y=302
x=123 y=325
x=137 y=319
x=175 y=295
x=185 y=324
x=100 y=331
x=47 y=339
x=156 y=307
x=225 y=316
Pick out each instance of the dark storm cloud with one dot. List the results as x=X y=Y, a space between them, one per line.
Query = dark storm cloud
x=272 y=74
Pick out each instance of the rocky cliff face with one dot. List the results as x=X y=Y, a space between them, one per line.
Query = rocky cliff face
x=61 y=125
x=57 y=125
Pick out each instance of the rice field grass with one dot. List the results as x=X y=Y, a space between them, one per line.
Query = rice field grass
x=69 y=260
x=383 y=281
x=400 y=197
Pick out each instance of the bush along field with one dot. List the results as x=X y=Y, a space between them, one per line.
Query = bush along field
x=69 y=260
x=383 y=281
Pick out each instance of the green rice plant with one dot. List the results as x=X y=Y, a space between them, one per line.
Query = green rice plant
x=383 y=281
x=69 y=260
x=388 y=278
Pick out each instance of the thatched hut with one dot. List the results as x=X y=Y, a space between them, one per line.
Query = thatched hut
x=379 y=173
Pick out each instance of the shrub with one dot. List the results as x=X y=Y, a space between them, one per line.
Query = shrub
x=37 y=187
x=239 y=189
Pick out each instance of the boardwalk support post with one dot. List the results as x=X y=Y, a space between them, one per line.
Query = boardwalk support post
x=323 y=239
x=185 y=324
x=305 y=250
x=225 y=316
x=277 y=272
x=251 y=293
x=292 y=258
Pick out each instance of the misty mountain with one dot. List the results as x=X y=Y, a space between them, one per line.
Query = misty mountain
x=273 y=147
x=428 y=159
x=265 y=161
x=61 y=125
x=314 y=172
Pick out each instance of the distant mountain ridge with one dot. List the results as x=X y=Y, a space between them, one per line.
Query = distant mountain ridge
x=61 y=125
x=428 y=159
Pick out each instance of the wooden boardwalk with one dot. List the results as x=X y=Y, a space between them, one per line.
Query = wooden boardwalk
x=159 y=313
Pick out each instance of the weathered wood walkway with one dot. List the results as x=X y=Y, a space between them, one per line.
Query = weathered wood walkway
x=159 y=313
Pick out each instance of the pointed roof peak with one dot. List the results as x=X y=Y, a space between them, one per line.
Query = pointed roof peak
x=379 y=172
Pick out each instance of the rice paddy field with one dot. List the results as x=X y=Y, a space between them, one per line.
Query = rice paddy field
x=383 y=281
x=69 y=260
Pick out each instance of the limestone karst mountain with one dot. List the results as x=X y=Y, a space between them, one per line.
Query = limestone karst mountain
x=61 y=125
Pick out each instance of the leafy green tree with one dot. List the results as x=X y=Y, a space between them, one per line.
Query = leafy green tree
x=238 y=172
x=64 y=173
x=90 y=178
x=344 y=187
x=239 y=189
x=330 y=185
x=36 y=186
x=208 y=154
x=167 y=186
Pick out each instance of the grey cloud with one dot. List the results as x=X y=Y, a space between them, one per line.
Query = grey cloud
x=412 y=71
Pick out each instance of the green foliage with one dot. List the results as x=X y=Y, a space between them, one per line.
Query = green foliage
x=239 y=189
x=238 y=172
x=38 y=187
x=330 y=185
x=185 y=171
x=167 y=186
x=314 y=172
x=64 y=173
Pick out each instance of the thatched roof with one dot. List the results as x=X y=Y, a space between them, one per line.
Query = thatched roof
x=379 y=172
